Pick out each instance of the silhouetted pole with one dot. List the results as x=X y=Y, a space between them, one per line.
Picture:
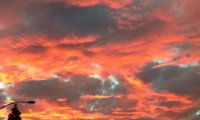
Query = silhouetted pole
x=15 y=113
x=29 y=102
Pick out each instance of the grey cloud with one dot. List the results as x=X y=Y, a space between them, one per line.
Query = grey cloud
x=188 y=114
x=72 y=90
x=33 y=49
x=57 y=20
x=88 y=53
x=175 y=79
x=122 y=35
x=170 y=104
x=2 y=96
x=55 y=88
x=54 y=19
x=145 y=118
x=196 y=118
x=150 y=65
x=107 y=105
x=114 y=34
x=143 y=24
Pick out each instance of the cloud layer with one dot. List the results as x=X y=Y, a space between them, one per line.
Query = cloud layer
x=101 y=59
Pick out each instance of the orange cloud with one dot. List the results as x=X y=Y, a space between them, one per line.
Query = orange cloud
x=136 y=38
x=109 y=3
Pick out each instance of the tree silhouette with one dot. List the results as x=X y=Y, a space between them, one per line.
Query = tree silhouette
x=15 y=113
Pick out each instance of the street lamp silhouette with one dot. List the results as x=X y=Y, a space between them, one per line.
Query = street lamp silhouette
x=15 y=113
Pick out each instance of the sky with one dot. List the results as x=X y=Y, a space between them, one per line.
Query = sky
x=101 y=59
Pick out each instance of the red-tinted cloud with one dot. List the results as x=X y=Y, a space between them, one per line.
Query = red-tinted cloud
x=114 y=4
x=101 y=59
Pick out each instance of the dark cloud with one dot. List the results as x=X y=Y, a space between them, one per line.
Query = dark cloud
x=122 y=35
x=34 y=49
x=58 y=20
x=179 y=80
x=138 y=20
x=150 y=65
x=145 y=118
x=80 y=46
x=72 y=90
x=107 y=105
x=196 y=118
x=2 y=96
x=187 y=114
x=153 y=75
x=170 y=104
x=88 y=53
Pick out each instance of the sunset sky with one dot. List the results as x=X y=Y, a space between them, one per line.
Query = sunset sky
x=101 y=59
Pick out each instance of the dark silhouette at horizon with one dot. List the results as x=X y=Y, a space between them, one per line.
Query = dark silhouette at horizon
x=15 y=113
